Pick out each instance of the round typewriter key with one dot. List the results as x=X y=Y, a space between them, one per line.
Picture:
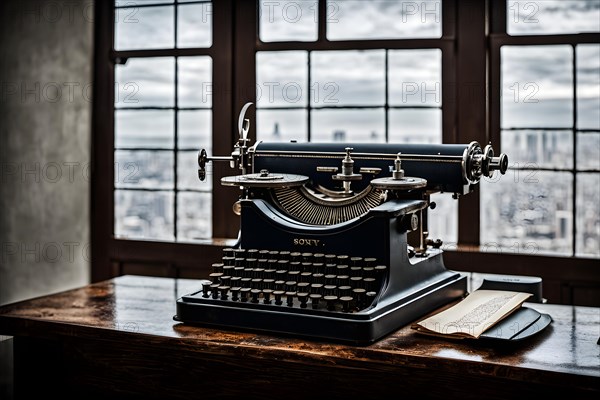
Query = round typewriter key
x=303 y=286
x=330 y=290
x=251 y=253
x=262 y=263
x=279 y=285
x=225 y=279
x=318 y=268
x=255 y=293
x=257 y=283
x=342 y=259
x=235 y=281
x=217 y=267
x=356 y=281
x=290 y=285
x=215 y=276
x=355 y=271
x=235 y=293
x=342 y=269
x=228 y=252
x=356 y=261
x=293 y=275
x=306 y=266
x=269 y=283
x=267 y=296
x=294 y=266
x=314 y=299
x=303 y=298
x=251 y=262
x=246 y=282
x=258 y=273
x=368 y=272
x=330 y=269
x=330 y=259
x=318 y=278
x=380 y=271
x=290 y=298
x=284 y=255
x=343 y=280
x=282 y=264
x=238 y=271
x=263 y=254
x=239 y=252
x=370 y=262
x=295 y=256
x=370 y=284
x=274 y=254
x=316 y=288
x=330 y=300
x=239 y=262
x=280 y=274
x=344 y=291
x=278 y=294
x=206 y=288
x=269 y=273
x=223 y=290
x=307 y=257
x=330 y=279
x=228 y=261
x=305 y=277
x=369 y=297
x=346 y=300
x=359 y=295
x=244 y=294
x=214 y=290
x=318 y=257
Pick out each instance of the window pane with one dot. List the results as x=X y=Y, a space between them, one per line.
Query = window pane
x=537 y=86
x=144 y=169
x=588 y=215
x=588 y=86
x=348 y=125
x=443 y=220
x=383 y=19
x=415 y=77
x=195 y=81
x=145 y=82
x=527 y=212
x=552 y=16
x=194 y=219
x=143 y=215
x=536 y=149
x=281 y=79
x=286 y=20
x=415 y=125
x=144 y=28
x=144 y=128
x=194 y=25
x=347 y=78
x=588 y=150
x=187 y=172
x=195 y=130
x=281 y=125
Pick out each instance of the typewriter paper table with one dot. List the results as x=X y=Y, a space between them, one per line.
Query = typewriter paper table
x=118 y=338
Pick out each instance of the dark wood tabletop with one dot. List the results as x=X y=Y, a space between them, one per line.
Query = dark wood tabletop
x=119 y=336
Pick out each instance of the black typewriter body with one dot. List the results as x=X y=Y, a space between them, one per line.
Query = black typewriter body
x=323 y=249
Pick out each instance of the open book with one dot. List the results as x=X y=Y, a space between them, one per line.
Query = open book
x=474 y=315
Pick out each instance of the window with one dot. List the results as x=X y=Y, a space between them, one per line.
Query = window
x=549 y=64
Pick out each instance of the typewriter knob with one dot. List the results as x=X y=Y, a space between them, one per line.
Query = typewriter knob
x=409 y=222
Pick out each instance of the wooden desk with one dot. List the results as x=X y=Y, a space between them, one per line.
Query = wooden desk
x=118 y=337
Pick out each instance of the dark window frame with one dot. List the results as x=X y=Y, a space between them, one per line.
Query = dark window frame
x=470 y=73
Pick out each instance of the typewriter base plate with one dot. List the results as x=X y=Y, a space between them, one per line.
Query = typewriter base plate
x=355 y=328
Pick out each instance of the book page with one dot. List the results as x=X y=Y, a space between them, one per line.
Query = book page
x=478 y=312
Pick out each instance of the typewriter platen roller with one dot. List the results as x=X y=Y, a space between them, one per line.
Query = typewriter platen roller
x=323 y=250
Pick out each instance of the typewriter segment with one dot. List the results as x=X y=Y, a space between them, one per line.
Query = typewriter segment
x=334 y=241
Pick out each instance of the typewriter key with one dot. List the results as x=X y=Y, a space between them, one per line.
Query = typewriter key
x=330 y=279
x=246 y=282
x=303 y=286
x=318 y=278
x=307 y=257
x=269 y=284
x=235 y=281
x=368 y=272
x=343 y=280
x=274 y=255
x=267 y=296
x=278 y=294
x=215 y=276
x=314 y=299
x=303 y=298
x=235 y=293
x=330 y=259
x=316 y=288
x=255 y=293
x=214 y=290
x=295 y=256
x=330 y=290
x=279 y=284
x=330 y=269
x=284 y=255
x=239 y=262
x=223 y=290
x=370 y=262
x=290 y=298
x=244 y=294
x=239 y=252
x=225 y=279
x=318 y=268
x=370 y=284
x=306 y=266
x=217 y=267
x=344 y=291
x=359 y=295
x=251 y=253
x=318 y=257
x=342 y=259
x=228 y=252
x=356 y=261
x=228 y=261
x=263 y=254
x=306 y=277
x=346 y=300
x=206 y=288
x=330 y=300
x=355 y=271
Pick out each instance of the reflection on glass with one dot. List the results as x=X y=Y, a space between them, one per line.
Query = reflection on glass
x=537 y=86
x=415 y=77
x=342 y=78
x=195 y=129
x=588 y=86
x=281 y=125
x=144 y=169
x=144 y=128
x=552 y=16
x=281 y=79
x=143 y=215
x=538 y=148
x=144 y=27
x=187 y=172
x=194 y=219
x=288 y=20
x=194 y=25
x=383 y=19
x=588 y=151
x=588 y=215
x=195 y=88
x=443 y=220
x=348 y=125
x=527 y=212
x=145 y=82
x=415 y=125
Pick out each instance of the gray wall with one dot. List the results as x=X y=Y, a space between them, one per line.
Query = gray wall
x=46 y=54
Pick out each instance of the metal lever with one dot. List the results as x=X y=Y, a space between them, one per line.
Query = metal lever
x=347 y=175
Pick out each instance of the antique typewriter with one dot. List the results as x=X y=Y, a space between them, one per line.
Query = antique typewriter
x=325 y=247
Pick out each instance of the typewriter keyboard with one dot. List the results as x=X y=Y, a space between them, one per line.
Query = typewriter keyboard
x=311 y=281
